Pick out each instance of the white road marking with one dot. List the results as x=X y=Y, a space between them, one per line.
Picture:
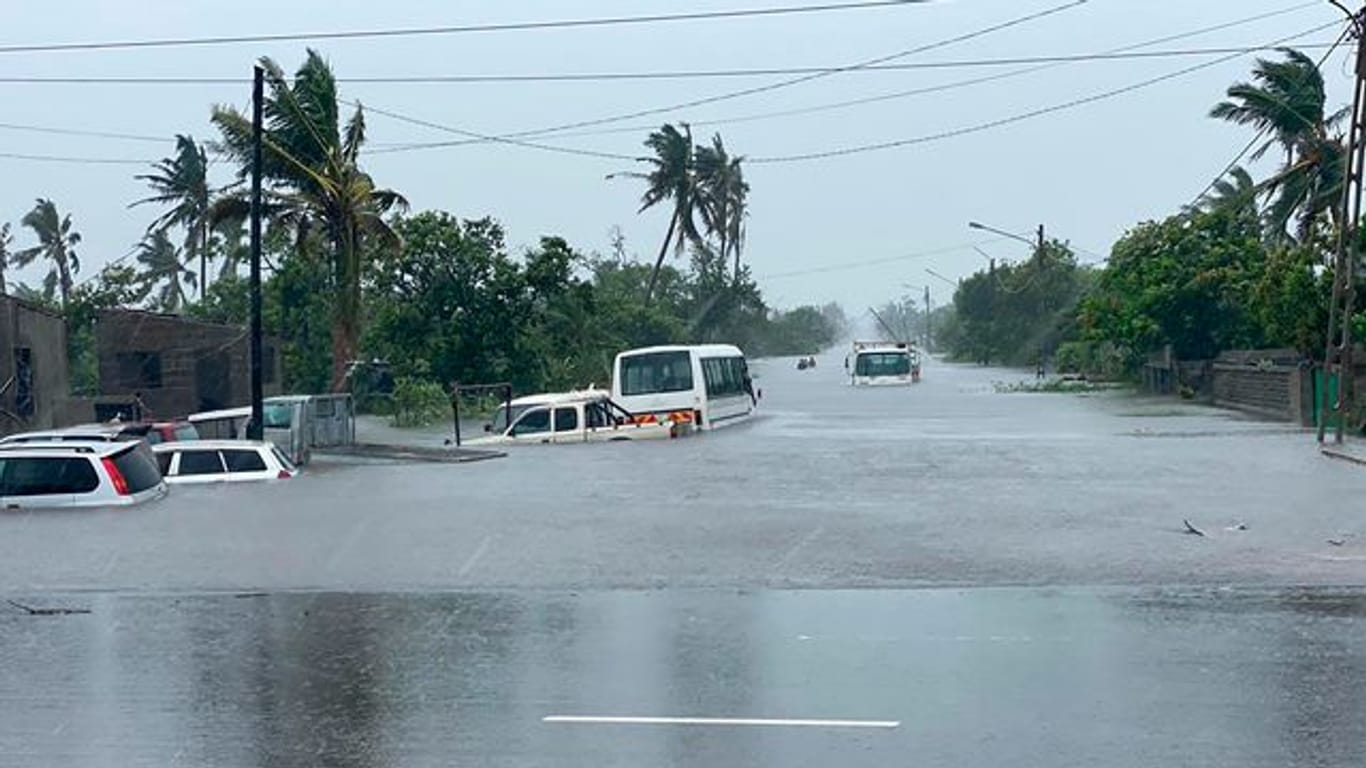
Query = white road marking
x=474 y=558
x=718 y=721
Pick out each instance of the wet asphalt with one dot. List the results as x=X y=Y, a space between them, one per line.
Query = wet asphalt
x=952 y=575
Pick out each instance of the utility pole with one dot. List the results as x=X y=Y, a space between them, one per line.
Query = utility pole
x=929 y=343
x=1337 y=357
x=1039 y=251
x=256 y=431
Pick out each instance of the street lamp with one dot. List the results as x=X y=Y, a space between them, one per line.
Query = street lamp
x=1037 y=244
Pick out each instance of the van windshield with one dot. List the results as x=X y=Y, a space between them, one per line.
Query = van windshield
x=279 y=415
x=656 y=372
x=883 y=364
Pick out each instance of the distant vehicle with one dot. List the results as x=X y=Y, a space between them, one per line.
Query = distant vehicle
x=806 y=363
x=222 y=461
x=708 y=386
x=295 y=423
x=170 y=432
x=573 y=417
x=882 y=363
x=72 y=474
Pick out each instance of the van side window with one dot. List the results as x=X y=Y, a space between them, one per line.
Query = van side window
x=533 y=422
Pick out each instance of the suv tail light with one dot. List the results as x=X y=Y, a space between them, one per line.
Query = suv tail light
x=115 y=476
x=284 y=475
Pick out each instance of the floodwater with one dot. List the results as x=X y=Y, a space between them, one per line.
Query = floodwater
x=940 y=575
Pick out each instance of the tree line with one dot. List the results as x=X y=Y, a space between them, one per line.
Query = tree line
x=1248 y=265
x=353 y=275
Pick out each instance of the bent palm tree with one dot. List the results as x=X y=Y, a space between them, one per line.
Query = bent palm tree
x=1237 y=192
x=1286 y=101
x=162 y=266
x=316 y=184
x=56 y=243
x=723 y=194
x=182 y=182
x=673 y=178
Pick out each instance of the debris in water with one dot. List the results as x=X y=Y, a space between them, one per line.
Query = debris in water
x=48 y=611
x=1192 y=529
x=1237 y=527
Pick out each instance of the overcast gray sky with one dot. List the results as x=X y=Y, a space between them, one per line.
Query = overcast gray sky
x=849 y=228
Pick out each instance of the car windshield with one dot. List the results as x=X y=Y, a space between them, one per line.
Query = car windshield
x=883 y=364
x=943 y=383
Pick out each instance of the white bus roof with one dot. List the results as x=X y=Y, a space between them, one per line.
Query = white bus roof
x=716 y=350
x=227 y=413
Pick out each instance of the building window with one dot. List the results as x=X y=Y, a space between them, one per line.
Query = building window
x=23 y=382
x=139 y=370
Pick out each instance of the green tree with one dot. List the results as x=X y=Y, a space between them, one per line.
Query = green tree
x=181 y=182
x=57 y=243
x=673 y=179
x=1287 y=100
x=311 y=161
x=723 y=199
x=1188 y=281
x=1236 y=193
x=162 y=266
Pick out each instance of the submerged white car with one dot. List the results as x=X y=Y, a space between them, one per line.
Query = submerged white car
x=573 y=417
x=222 y=461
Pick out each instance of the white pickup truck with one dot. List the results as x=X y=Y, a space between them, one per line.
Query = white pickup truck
x=573 y=417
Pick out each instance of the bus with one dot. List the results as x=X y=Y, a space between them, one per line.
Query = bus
x=708 y=386
x=882 y=363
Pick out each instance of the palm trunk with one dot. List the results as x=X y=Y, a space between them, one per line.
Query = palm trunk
x=659 y=262
x=346 y=320
x=64 y=281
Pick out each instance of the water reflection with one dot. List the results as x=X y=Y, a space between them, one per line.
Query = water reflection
x=978 y=678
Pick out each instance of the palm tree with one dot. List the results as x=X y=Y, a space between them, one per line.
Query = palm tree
x=672 y=178
x=1237 y=192
x=5 y=240
x=723 y=195
x=162 y=265
x=56 y=243
x=1286 y=101
x=316 y=184
x=182 y=182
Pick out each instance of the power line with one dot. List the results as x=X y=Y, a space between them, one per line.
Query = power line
x=875 y=262
x=579 y=77
x=410 y=146
x=78 y=132
x=462 y=29
x=1060 y=107
x=483 y=137
x=74 y=160
x=803 y=79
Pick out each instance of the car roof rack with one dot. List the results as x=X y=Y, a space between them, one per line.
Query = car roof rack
x=68 y=445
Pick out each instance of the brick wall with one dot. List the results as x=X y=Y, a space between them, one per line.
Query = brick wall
x=178 y=365
x=1269 y=383
x=32 y=345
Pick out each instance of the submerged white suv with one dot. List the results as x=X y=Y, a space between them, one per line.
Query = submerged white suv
x=78 y=474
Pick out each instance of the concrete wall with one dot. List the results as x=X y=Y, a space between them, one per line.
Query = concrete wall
x=29 y=330
x=1269 y=383
x=177 y=365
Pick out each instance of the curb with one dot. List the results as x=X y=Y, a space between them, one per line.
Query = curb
x=1340 y=455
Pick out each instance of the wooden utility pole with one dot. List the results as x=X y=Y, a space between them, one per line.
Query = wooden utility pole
x=1337 y=358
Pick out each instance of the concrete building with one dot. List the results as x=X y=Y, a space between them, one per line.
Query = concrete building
x=177 y=365
x=35 y=383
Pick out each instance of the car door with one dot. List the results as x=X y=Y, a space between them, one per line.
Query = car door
x=568 y=426
x=197 y=466
x=532 y=427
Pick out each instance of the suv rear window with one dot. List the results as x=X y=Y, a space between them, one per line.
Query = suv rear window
x=138 y=468
x=43 y=475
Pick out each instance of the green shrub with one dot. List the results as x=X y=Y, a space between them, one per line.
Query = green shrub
x=418 y=403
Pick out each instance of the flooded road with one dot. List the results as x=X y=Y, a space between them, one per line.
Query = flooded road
x=947 y=483
x=943 y=576
x=990 y=677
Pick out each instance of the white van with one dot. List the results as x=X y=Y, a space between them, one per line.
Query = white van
x=708 y=385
